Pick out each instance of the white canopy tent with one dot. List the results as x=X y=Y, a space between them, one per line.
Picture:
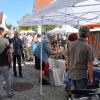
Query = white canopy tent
x=95 y=29
x=70 y=29
x=39 y=21
x=58 y=17
x=55 y=6
x=87 y=11
x=80 y=13
x=69 y=15
x=67 y=29
x=55 y=30
x=62 y=13
x=53 y=14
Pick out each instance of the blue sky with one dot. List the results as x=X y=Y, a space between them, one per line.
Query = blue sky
x=15 y=9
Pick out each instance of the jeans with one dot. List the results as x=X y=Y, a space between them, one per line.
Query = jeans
x=81 y=84
x=18 y=57
x=5 y=72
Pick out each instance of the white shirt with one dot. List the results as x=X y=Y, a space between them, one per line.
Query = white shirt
x=29 y=40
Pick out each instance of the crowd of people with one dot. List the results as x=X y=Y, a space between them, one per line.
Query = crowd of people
x=73 y=48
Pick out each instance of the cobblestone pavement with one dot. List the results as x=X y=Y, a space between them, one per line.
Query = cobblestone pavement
x=33 y=90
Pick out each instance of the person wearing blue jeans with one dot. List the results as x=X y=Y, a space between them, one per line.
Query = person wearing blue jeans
x=5 y=72
x=5 y=61
x=80 y=59
x=80 y=84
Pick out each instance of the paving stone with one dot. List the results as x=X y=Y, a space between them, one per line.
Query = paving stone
x=33 y=92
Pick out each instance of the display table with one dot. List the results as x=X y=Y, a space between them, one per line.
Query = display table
x=56 y=71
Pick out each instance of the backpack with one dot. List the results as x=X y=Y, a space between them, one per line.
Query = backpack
x=34 y=46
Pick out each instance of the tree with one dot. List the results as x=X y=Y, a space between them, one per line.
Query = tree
x=26 y=28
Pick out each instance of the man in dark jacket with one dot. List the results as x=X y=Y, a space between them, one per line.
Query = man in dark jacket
x=17 y=52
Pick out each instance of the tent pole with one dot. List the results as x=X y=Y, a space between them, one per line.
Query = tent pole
x=78 y=24
x=65 y=20
x=41 y=90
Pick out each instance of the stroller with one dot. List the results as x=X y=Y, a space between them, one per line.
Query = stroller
x=84 y=94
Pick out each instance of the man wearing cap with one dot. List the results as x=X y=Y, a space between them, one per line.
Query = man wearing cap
x=5 y=61
x=80 y=58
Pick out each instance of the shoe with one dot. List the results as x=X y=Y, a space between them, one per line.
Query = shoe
x=10 y=95
x=15 y=75
x=23 y=62
x=20 y=73
x=20 y=76
x=45 y=82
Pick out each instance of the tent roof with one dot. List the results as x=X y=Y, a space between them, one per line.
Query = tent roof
x=87 y=11
x=70 y=29
x=55 y=30
x=71 y=12
x=32 y=22
x=95 y=29
x=55 y=6
x=51 y=15
x=65 y=12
